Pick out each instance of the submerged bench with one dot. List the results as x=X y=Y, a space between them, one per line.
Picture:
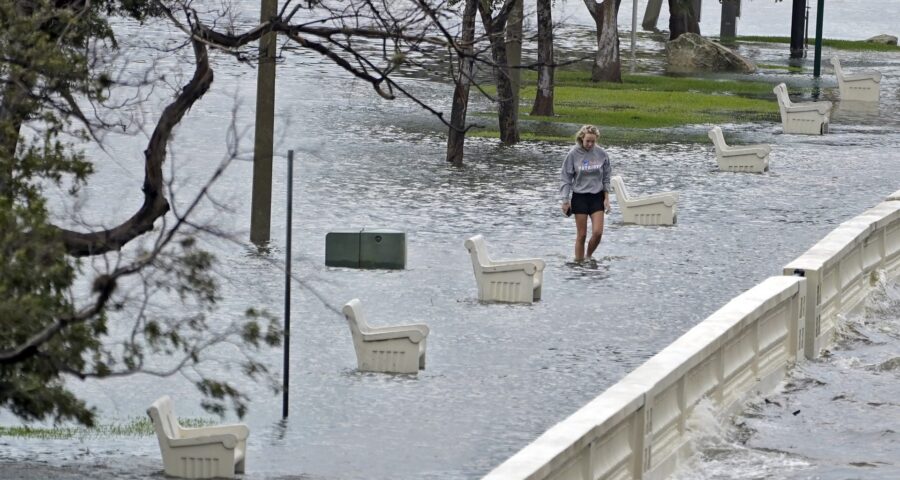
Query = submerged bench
x=394 y=349
x=513 y=281
x=746 y=158
x=809 y=118
x=655 y=209
x=204 y=452
x=860 y=86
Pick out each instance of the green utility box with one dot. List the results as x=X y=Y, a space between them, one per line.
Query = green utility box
x=366 y=248
x=342 y=248
x=382 y=249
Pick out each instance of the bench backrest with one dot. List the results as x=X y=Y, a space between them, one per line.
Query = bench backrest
x=715 y=134
x=478 y=252
x=619 y=186
x=354 y=315
x=838 y=71
x=164 y=422
x=781 y=93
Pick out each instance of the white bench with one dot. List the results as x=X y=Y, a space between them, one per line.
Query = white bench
x=746 y=158
x=860 y=86
x=809 y=117
x=513 y=281
x=205 y=452
x=395 y=349
x=655 y=209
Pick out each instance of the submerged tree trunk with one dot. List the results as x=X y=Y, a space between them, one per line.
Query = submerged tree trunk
x=607 y=64
x=514 y=51
x=684 y=17
x=494 y=27
x=456 y=139
x=543 y=99
x=651 y=15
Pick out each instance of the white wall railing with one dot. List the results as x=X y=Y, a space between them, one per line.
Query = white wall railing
x=637 y=428
x=843 y=267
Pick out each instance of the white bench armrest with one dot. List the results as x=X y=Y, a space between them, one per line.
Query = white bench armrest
x=415 y=333
x=668 y=199
x=228 y=441
x=875 y=76
x=240 y=431
x=528 y=268
x=759 y=150
x=821 y=107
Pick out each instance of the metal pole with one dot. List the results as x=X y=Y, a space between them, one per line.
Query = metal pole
x=634 y=11
x=261 y=196
x=287 y=285
x=817 y=65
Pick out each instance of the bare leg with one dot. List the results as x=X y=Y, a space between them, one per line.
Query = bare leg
x=596 y=232
x=580 y=235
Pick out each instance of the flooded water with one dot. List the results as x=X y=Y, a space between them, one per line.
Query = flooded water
x=498 y=375
x=835 y=418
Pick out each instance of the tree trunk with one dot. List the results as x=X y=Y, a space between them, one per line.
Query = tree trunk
x=506 y=111
x=683 y=18
x=11 y=119
x=607 y=64
x=514 y=50
x=651 y=15
x=798 y=24
x=543 y=99
x=457 y=137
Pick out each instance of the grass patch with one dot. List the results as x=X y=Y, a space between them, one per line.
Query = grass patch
x=641 y=102
x=609 y=136
x=658 y=83
x=788 y=68
x=652 y=109
x=134 y=427
x=859 y=45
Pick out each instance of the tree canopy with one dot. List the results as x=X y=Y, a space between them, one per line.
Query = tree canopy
x=65 y=310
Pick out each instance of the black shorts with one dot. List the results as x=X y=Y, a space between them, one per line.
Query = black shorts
x=587 y=203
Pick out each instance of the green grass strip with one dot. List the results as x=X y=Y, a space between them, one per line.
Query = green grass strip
x=608 y=136
x=133 y=427
x=641 y=102
x=580 y=78
x=858 y=45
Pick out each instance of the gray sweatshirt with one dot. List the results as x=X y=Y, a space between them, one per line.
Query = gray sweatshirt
x=584 y=171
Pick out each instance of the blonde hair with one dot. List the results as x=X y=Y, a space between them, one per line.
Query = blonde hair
x=586 y=130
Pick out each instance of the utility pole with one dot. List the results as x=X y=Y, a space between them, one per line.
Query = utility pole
x=634 y=11
x=798 y=21
x=820 y=16
x=261 y=201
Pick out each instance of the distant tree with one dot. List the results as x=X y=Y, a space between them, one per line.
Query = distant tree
x=494 y=22
x=463 y=79
x=684 y=17
x=543 y=98
x=607 y=63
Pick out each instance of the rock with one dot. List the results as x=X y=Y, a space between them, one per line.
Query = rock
x=691 y=52
x=885 y=39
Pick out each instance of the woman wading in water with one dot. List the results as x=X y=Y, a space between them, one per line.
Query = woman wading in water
x=585 y=188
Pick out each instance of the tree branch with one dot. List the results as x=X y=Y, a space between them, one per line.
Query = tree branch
x=155 y=204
